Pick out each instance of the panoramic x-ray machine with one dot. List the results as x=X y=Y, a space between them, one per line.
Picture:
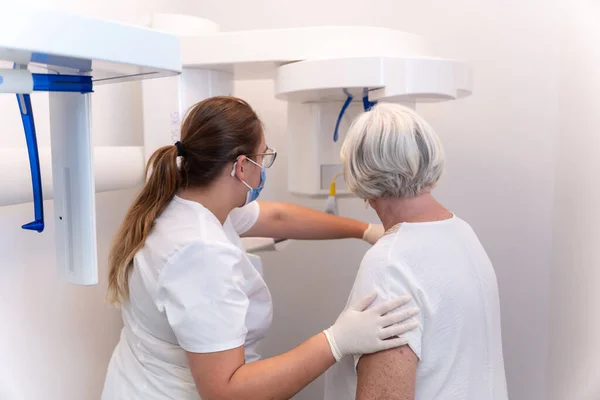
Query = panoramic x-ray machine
x=327 y=75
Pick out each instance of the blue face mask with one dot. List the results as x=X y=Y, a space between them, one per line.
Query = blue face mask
x=253 y=193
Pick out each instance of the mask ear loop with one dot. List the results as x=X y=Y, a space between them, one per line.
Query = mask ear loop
x=233 y=175
x=235 y=166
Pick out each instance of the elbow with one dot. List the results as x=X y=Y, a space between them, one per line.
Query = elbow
x=278 y=212
x=274 y=214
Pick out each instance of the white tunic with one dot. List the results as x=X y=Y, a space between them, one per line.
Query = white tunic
x=443 y=266
x=192 y=288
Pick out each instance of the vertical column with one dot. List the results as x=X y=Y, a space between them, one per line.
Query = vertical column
x=73 y=182
x=200 y=84
x=162 y=113
x=166 y=100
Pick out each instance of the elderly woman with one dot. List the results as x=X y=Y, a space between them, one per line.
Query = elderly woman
x=393 y=159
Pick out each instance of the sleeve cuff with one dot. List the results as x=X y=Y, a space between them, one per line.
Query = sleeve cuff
x=213 y=348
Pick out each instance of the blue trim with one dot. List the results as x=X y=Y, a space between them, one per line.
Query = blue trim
x=24 y=101
x=41 y=58
x=339 y=120
x=367 y=105
x=62 y=83
x=47 y=83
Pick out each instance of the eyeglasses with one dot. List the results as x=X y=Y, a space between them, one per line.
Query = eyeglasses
x=268 y=156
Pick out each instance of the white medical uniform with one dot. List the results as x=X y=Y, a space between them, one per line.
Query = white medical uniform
x=192 y=288
x=443 y=266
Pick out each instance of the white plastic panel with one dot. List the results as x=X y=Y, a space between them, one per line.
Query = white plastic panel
x=73 y=180
x=286 y=45
x=108 y=49
x=389 y=78
x=423 y=80
x=255 y=54
x=323 y=80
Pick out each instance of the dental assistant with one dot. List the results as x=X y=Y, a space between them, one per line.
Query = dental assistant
x=194 y=306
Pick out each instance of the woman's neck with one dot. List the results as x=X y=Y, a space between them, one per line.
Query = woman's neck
x=215 y=199
x=421 y=208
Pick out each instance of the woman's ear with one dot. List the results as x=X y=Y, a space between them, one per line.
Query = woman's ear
x=238 y=168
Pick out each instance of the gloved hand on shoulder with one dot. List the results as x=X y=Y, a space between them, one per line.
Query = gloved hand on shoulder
x=373 y=233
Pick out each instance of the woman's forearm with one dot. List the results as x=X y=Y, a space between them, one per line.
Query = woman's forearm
x=283 y=376
x=289 y=221
x=225 y=376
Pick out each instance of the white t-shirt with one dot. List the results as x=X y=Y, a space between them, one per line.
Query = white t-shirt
x=192 y=288
x=443 y=266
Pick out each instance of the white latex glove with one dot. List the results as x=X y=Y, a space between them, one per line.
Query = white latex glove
x=331 y=206
x=373 y=233
x=363 y=332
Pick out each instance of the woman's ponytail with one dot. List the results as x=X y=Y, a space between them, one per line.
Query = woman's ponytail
x=163 y=182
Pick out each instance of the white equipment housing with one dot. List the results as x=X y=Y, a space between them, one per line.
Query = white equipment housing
x=313 y=68
x=43 y=40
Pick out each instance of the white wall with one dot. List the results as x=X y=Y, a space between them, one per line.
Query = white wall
x=576 y=298
x=500 y=145
x=56 y=339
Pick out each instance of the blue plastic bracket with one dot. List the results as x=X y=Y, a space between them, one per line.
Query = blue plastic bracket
x=62 y=83
x=48 y=83
x=367 y=105
x=349 y=99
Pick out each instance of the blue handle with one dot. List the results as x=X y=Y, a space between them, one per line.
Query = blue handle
x=339 y=120
x=48 y=83
x=24 y=101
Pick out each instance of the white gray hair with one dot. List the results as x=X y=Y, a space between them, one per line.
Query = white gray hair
x=390 y=151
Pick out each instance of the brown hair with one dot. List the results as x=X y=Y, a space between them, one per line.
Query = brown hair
x=214 y=133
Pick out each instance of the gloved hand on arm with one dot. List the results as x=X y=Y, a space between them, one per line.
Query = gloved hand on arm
x=361 y=331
